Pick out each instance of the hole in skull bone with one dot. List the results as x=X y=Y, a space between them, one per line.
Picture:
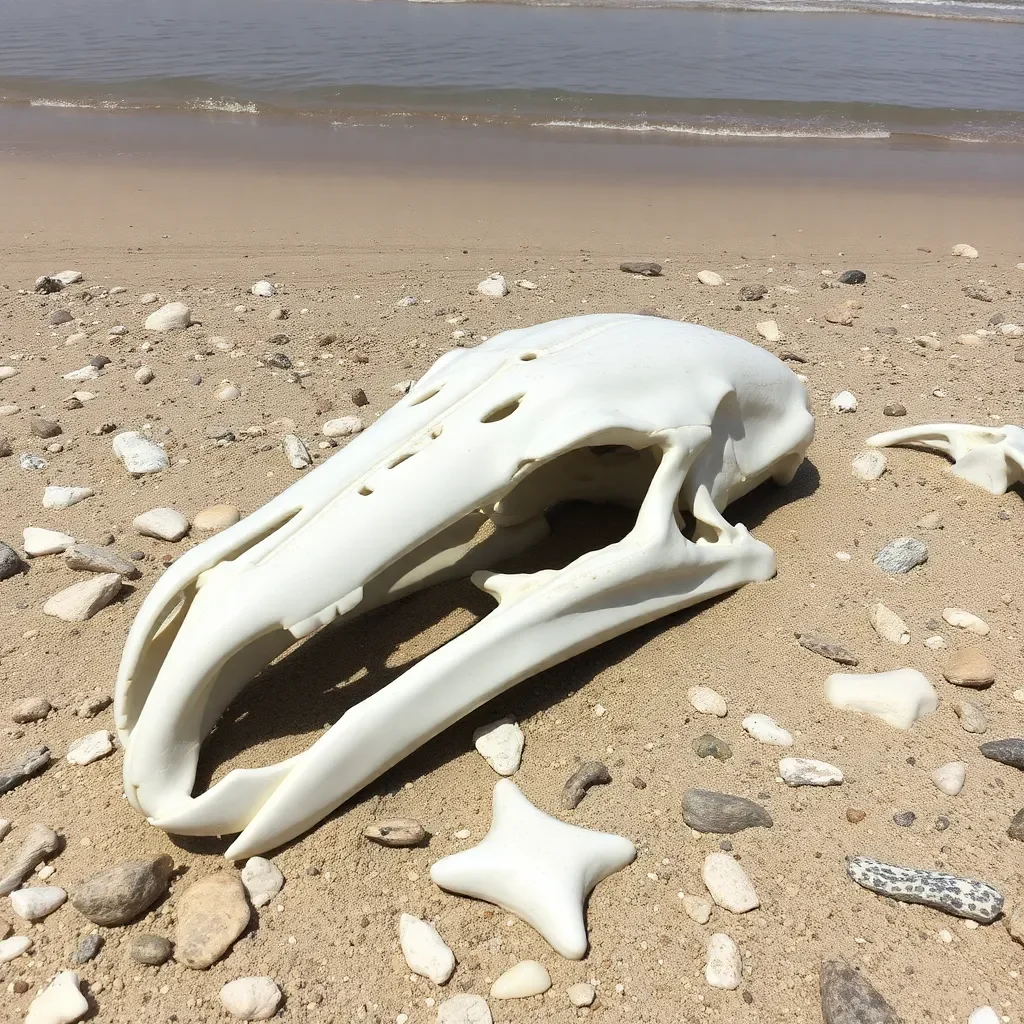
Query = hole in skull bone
x=364 y=490
x=400 y=458
x=424 y=396
x=503 y=411
x=527 y=357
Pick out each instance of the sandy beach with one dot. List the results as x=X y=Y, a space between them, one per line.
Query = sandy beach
x=342 y=248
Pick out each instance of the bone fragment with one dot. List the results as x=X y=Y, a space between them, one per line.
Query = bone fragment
x=396 y=832
x=590 y=773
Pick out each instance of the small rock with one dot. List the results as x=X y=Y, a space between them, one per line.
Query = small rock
x=227 y=392
x=153 y=950
x=138 y=454
x=396 y=832
x=90 y=558
x=174 y=316
x=753 y=292
x=842 y=318
x=724 y=968
x=343 y=426
x=904 y=818
x=705 y=810
x=581 y=994
x=119 y=894
x=852 y=277
x=769 y=330
x=590 y=773
x=805 y=771
x=90 y=748
x=23 y=767
x=901 y=555
x=949 y=778
x=527 y=978
x=263 y=290
x=67 y=277
x=965 y=620
x=10 y=562
x=81 y=601
x=406 y=301
x=965 y=250
x=710 y=278
x=262 y=880
x=972 y=718
x=848 y=998
x=88 y=372
x=37 y=902
x=696 y=909
x=984 y=1015
x=869 y=466
x=501 y=745
x=65 y=497
x=854 y=815
x=930 y=521
x=47 y=285
x=296 y=452
x=358 y=397
x=161 y=523
x=707 y=701
x=43 y=428
x=39 y=844
x=1016 y=829
x=11 y=949
x=970 y=667
x=251 y=998
x=711 y=746
x=61 y=1002
x=728 y=883
x=278 y=360
x=888 y=625
x=494 y=287
x=31 y=462
x=58 y=317
x=464 y=1009
x=844 y=401
x=1015 y=924
x=211 y=914
x=92 y=706
x=644 y=269
x=216 y=517
x=1009 y=751
x=827 y=648
x=982 y=294
x=767 y=730
x=899 y=697
x=31 y=709
x=144 y=375
x=88 y=949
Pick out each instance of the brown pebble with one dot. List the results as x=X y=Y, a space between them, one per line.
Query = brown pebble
x=44 y=428
x=970 y=667
x=854 y=815
x=358 y=397
x=590 y=773
x=20 y=987
x=827 y=648
x=895 y=409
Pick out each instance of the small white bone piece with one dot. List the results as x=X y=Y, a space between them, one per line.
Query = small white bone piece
x=990 y=457
x=900 y=697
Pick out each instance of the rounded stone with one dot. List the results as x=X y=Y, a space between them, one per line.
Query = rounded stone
x=970 y=667
x=119 y=894
x=581 y=994
x=251 y=998
x=216 y=517
x=31 y=709
x=153 y=950
x=211 y=914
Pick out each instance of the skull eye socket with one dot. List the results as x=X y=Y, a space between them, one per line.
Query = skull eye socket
x=503 y=411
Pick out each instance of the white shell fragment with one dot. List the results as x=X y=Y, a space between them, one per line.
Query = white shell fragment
x=724 y=967
x=966 y=620
x=899 y=697
x=767 y=730
x=728 y=883
x=707 y=701
x=501 y=745
x=138 y=454
x=527 y=978
x=424 y=950
x=888 y=625
x=65 y=497
x=806 y=771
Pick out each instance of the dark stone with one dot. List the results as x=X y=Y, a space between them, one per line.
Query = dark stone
x=1016 y=829
x=792 y=357
x=827 y=648
x=996 y=319
x=87 y=949
x=278 y=339
x=941 y=823
x=981 y=294
x=639 y=783
x=48 y=285
x=43 y=427
x=6 y=448
x=904 y=818
x=646 y=269
x=852 y=277
x=278 y=360
x=99 y=361
x=10 y=562
x=58 y=317
x=895 y=409
x=22 y=767
x=753 y=292
x=711 y=746
x=704 y=810
x=1010 y=751
x=358 y=397
x=590 y=773
x=849 y=998
x=153 y=950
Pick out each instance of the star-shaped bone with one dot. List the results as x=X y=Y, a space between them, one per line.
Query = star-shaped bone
x=537 y=867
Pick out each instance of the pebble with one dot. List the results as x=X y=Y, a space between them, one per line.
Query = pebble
x=31 y=462
x=728 y=883
x=138 y=454
x=227 y=392
x=263 y=290
x=161 y=523
x=901 y=555
x=963 y=249
x=982 y=294
x=12 y=948
x=707 y=701
x=644 y=269
x=396 y=832
x=174 y=316
x=527 y=978
x=805 y=771
x=904 y=818
x=464 y=1009
x=1009 y=751
x=581 y=994
x=1016 y=829
x=119 y=894
x=753 y=292
x=710 y=278
x=296 y=452
x=88 y=949
x=38 y=541
x=965 y=620
x=949 y=778
x=767 y=730
x=153 y=950
x=424 y=950
x=869 y=466
x=81 y=601
x=211 y=914
x=24 y=766
x=90 y=558
x=44 y=428
x=343 y=426
x=144 y=375
x=10 y=562
x=148 y=298
x=696 y=908
x=972 y=718
x=216 y=517
x=493 y=287
x=60 y=1002
x=847 y=997
x=590 y=773
x=843 y=318
x=65 y=497
x=970 y=667
x=852 y=277
x=899 y=697
x=888 y=625
x=251 y=998
x=961 y=897
x=92 y=706
x=827 y=648
x=769 y=330
x=90 y=748
x=262 y=880
x=711 y=746
x=984 y=1015
x=58 y=317
x=501 y=745
x=1015 y=924
x=31 y=709
x=39 y=844
x=706 y=810
x=724 y=967
x=36 y=902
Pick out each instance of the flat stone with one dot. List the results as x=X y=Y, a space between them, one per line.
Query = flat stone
x=966 y=620
x=1016 y=829
x=949 y=778
x=527 y=978
x=174 y=316
x=1010 y=751
x=251 y=998
x=590 y=773
x=501 y=745
x=58 y=317
x=38 y=844
x=81 y=601
x=644 y=269
x=92 y=706
x=961 y=897
x=396 y=832
x=970 y=667
x=901 y=555
x=728 y=883
x=847 y=997
x=581 y=994
x=899 y=697
x=91 y=558
x=45 y=542
x=262 y=880
x=827 y=648
x=10 y=562
x=24 y=766
x=37 y=902
x=343 y=426
x=972 y=718
x=211 y=914
x=696 y=909
x=724 y=968
x=152 y=950
x=806 y=771
x=707 y=701
x=296 y=452
x=65 y=497
x=90 y=748
x=767 y=730
x=119 y=894
x=227 y=392
x=711 y=746
x=11 y=949
x=61 y=1002
x=216 y=517
x=162 y=523
x=981 y=293
x=138 y=454
x=965 y=250
x=88 y=949
x=705 y=810
x=904 y=818
x=464 y=1009
x=31 y=462
x=842 y=318
x=31 y=709
x=888 y=625
x=710 y=278
x=770 y=331
x=869 y=466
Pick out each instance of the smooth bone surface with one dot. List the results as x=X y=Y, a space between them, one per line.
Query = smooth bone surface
x=672 y=420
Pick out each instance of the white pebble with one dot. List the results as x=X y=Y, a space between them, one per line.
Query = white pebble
x=7 y=372
x=251 y=998
x=175 y=316
x=87 y=372
x=527 y=978
x=45 y=542
x=90 y=748
x=161 y=523
x=148 y=298
x=144 y=375
x=950 y=777
x=296 y=452
x=528 y=285
x=696 y=909
x=263 y=290
x=844 y=401
x=581 y=994
x=899 y=697
x=67 y=277
x=965 y=620
x=35 y=903
x=138 y=454
x=14 y=947
x=869 y=466
x=935 y=643
x=806 y=771
x=728 y=883
x=724 y=967
x=707 y=701
x=501 y=745
x=493 y=287
x=343 y=426
x=767 y=730
x=888 y=625
x=65 y=497
x=963 y=249
x=227 y=392
x=424 y=950
x=984 y=1015
x=464 y=1009
x=262 y=880
x=769 y=330
x=81 y=601
x=60 y=1002
x=709 y=277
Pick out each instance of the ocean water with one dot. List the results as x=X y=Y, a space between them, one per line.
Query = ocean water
x=644 y=69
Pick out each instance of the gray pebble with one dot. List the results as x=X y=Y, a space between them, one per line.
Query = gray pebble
x=711 y=746
x=10 y=562
x=901 y=555
x=961 y=897
x=151 y=949
x=904 y=818
x=852 y=277
x=941 y=823
x=58 y=317
x=118 y=894
x=278 y=360
x=849 y=998
x=895 y=409
x=396 y=832
x=90 y=558
x=827 y=648
x=646 y=269
x=1009 y=751
x=707 y=811
x=590 y=773
x=1016 y=829
x=87 y=949
x=22 y=767
x=753 y=292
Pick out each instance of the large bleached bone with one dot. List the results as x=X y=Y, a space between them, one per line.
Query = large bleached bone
x=990 y=457
x=667 y=418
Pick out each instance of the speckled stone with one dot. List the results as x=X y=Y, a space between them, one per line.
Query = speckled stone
x=847 y=997
x=901 y=555
x=1009 y=751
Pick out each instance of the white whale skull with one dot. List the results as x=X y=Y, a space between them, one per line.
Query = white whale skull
x=664 y=417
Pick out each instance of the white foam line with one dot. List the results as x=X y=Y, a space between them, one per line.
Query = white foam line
x=678 y=129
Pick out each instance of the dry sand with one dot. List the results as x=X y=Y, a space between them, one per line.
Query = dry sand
x=343 y=250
